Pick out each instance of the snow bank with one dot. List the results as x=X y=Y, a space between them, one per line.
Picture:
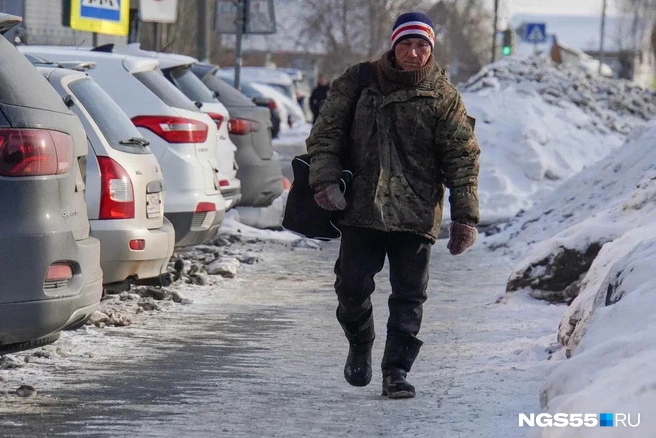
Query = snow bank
x=612 y=368
x=539 y=124
x=557 y=241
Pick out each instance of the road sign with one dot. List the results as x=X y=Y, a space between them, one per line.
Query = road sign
x=258 y=16
x=111 y=17
x=536 y=33
x=158 y=11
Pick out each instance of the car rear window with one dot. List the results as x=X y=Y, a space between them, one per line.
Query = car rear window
x=246 y=89
x=228 y=95
x=21 y=84
x=166 y=91
x=110 y=118
x=191 y=86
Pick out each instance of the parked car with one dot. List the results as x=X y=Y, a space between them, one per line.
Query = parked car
x=303 y=90
x=234 y=98
x=295 y=113
x=268 y=76
x=260 y=172
x=177 y=69
x=50 y=267
x=182 y=138
x=125 y=187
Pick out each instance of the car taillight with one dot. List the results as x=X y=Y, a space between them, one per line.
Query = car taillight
x=117 y=194
x=205 y=207
x=59 y=272
x=242 y=126
x=218 y=119
x=272 y=105
x=34 y=152
x=224 y=183
x=137 y=244
x=174 y=129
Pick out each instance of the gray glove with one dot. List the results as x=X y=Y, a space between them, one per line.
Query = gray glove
x=331 y=198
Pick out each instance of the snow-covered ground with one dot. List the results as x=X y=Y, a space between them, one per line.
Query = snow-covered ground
x=261 y=354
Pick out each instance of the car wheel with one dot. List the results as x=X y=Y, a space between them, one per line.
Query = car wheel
x=35 y=343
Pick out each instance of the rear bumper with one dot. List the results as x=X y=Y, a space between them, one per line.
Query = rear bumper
x=261 y=180
x=232 y=193
x=21 y=322
x=195 y=228
x=119 y=262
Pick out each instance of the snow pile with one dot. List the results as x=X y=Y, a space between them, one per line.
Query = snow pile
x=594 y=241
x=566 y=231
x=612 y=368
x=539 y=124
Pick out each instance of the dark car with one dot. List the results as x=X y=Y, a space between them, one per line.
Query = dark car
x=259 y=172
x=226 y=88
x=50 y=268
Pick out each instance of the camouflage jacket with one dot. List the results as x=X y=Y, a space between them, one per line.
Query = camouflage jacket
x=403 y=149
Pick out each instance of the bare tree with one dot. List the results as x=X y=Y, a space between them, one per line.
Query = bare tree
x=465 y=33
x=352 y=31
x=637 y=31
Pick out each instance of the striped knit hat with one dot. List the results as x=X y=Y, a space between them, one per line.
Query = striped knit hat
x=413 y=25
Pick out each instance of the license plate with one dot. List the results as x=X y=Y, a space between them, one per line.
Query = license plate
x=153 y=205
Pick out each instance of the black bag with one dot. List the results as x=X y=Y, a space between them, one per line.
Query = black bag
x=302 y=213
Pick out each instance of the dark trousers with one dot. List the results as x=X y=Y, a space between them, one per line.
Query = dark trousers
x=362 y=256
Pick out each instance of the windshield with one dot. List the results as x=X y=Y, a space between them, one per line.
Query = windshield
x=155 y=81
x=191 y=86
x=110 y=118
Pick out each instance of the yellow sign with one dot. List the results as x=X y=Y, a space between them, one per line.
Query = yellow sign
x=110 y=17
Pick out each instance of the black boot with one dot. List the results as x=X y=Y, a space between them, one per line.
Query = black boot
x=360 y=334
x=400 y=353
x=395 y=385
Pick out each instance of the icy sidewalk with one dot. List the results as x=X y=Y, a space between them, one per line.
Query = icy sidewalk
x=262 y=355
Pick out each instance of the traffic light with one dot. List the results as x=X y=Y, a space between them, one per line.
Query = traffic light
x=507 y=46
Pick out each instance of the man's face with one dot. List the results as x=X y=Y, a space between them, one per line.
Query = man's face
x=412 y=54
x=323 y=81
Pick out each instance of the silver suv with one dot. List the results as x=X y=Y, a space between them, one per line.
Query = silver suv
x=50 y=265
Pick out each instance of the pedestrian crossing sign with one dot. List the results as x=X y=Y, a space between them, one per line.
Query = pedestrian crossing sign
x=111 y=17
x=536 y=33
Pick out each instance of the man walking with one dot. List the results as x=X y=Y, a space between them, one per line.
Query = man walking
x=403 y=130
x=319 y=95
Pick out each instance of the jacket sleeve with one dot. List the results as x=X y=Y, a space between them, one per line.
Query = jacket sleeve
x=326 y=144
x=458 y=153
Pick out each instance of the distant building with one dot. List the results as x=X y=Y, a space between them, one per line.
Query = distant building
x=629 y=56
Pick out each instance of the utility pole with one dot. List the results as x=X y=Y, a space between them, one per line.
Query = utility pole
x=203 y=37
x=602 y=52
x=494 y=31
x=241 y=17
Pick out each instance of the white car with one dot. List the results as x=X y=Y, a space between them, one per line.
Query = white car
x=182 y=138
x=177 y=69
x=124 y=188
x=295 y=114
